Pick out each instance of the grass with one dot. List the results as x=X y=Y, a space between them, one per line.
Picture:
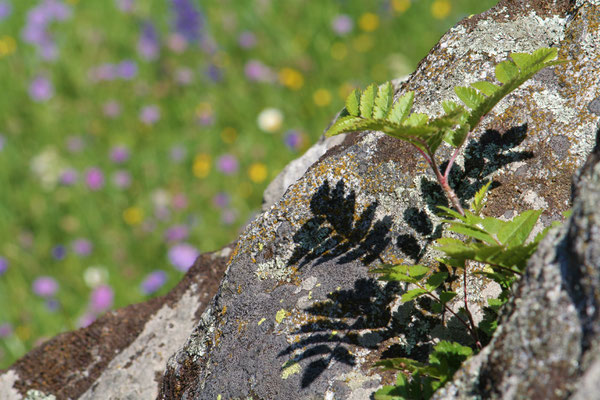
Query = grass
x=121 y=157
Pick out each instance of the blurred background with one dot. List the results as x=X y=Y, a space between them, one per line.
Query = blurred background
x=136 y=134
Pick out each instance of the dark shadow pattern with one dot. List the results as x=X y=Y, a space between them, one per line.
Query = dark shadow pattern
x=333 y=231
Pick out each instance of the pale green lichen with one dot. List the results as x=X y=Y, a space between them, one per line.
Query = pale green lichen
x=290 y=368
x=280 y=316
x=276 y=269
x=34 y=394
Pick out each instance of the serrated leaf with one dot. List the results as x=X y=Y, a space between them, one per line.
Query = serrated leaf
x=435 y=280
x=456 y=137
x=445 y=297
x=472 y=232
x=449 y=106
x=448 y=212
x=398 y=273
x=479 y=199
x=342 y=125
x=412 y=294
x=492 y=225
x=416 y=120
x=383 y=102
x=471 y=97
x=418 y=271
x=401 y=108
x=506 y=71
x=352 y=103
x=367 y=101
x=486 y=87
x=518 y=230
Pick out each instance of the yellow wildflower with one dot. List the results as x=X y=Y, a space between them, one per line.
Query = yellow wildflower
x=368 y=22
x=133 y=215
x=257 y=172
x=363 y=43
x=291 y=78
x=322 y=97
x=400 y=5
x=8 y=45
x=202 y=164
x=440 y=9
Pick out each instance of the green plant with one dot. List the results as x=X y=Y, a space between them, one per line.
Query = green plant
x=491 y=247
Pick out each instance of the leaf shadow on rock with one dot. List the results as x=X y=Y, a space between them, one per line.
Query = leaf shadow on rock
x=362 y=316
x=335 y=230
x=492 y=151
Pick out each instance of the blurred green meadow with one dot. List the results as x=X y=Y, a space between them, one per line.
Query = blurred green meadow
x=136 y=134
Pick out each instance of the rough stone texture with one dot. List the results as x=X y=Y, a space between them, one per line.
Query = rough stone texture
x=547 y=345
x=298 y=316
x=122 y=355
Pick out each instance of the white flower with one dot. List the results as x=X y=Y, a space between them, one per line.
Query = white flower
x=270 y=120
x=48 y=167
x=95 y=276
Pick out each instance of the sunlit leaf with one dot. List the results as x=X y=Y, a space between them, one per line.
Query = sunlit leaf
x=383 y=102
x=352 y=103
x=367 y=101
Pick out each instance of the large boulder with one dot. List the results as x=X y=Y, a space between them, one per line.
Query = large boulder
x=297 y=315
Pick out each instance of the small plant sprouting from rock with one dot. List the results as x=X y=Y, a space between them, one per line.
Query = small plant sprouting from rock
x=491 y=247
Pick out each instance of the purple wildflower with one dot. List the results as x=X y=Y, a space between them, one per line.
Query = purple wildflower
x=5 y=10
x=147 y=45
x=68 y=177
x=35 y=30
x=125 y=6
x=188 y=20
x=41 y=89
x=179 y=201
x=3 y=265
x=184 y=76
x=342 y=24
x=94 y=178
x=52 y=305
x=182 y=256
x=153 y=281
x=228 y=217
x=86 y=320
x=257 y=71
x=127 y=69
x=221 y=200
x=121 y=179
x=6 y=330
x=293 y=139
x=45 y=286
x=214 y=73
x=59 y=252
x=101 y=298
x=178 y=153
x=75 y=144
x=247 y=40
x=111 y=109
x=82 y=246
x=176 y=233
x=150 y=114
x=227 y=164
x=119 y=154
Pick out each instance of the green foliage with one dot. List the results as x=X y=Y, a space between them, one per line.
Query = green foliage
x=373 y=108
x=445 y=359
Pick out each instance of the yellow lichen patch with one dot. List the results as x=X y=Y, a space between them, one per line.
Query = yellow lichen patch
x=290 y=368
x=280 y=316
x=261 y=321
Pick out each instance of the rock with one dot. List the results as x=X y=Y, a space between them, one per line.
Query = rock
x=547 y=346
x=298 y=316
x=121 y=355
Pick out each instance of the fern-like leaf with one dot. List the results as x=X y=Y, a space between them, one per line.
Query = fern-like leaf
x=479 y=199
x=471 y=97
x=352 y=103
x=367 y=101
x=401 y=108
x=383 y=101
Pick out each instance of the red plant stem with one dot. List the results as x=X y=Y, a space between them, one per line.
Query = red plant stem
x=450 y=194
